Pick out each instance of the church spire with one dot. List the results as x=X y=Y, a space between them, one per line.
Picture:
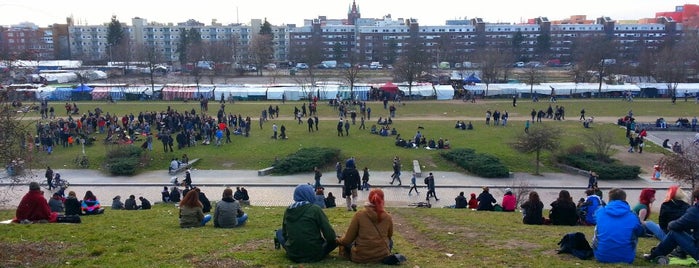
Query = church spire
x=353 y=14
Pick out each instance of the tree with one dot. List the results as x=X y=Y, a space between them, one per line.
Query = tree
x=601 y=141
x=153 y=59
x=682 y=168
x=183 y=46
x=411 y=65
x=115 y=35
x=671 y=68
x=15 y=145
x=538 y=139
x=532 y=75
x=517 y=40
x=261 y=50
x=590 y=55
x=493 y=62
x=351 y=74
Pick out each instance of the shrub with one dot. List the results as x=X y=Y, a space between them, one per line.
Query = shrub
x=606 y=169
x=306 y=159
x=483 y=165
x=123 y=160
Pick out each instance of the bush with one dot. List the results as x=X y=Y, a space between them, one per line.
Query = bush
x=123 y=160
x=606 y=169
x=483 y=165
x=305 y=160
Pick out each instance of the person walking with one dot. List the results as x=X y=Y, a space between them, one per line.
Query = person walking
x=49 y=177
x=431 y=187
x=396 y=171
x=365 y=179
x=413 y=185
x=352 y=182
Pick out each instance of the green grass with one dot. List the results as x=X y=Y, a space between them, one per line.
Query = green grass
x=153 y=239
x=437 y=119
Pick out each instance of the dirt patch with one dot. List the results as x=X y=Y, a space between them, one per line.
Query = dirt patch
x=218 y=260
x=421 y=240
x=644 y=160
x=31 y=254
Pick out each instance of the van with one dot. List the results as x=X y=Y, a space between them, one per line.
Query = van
x=329 y=64
x=301 y=66
x=375 y=65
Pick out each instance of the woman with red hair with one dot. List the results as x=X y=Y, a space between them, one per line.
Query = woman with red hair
x=673 y=207
x=191 y=212
x=370 y=231
x=643 y=208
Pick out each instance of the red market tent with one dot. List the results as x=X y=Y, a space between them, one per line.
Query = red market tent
x=389 y=87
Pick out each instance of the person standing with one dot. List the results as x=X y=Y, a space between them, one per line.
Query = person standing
x=582 y=114
x=49 y=177
x=274 y=131
x=310 y=124
x=361 y=123
x=617 y=230
x=592 y=181
x=352 y=182
x=413 y=185
x=316 y=176
x=526 y=127
x=431 y=188
x=365 y=179
x=188 y=179
x=514 y=101
x=315 y=119
x=339 y=128
x=338 y=171
x=396 y=171
x=347 y=127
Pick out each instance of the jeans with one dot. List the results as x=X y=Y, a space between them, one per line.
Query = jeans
x=654 y=228
x=206 y=219
x=242 y=219
x=674 y=239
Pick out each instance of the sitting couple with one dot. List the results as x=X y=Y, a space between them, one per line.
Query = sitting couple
x=228 y=213
x=307 y=235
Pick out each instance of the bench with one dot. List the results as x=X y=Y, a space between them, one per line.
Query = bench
x=416 y=169
x=265 y=171
x=184 y=166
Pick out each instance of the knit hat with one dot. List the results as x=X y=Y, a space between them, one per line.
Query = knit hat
x=350 y=163
x=34 y=186
x=508 y=190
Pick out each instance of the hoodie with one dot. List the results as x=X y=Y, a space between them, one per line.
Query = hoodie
x=306 y=228
x=616 y=233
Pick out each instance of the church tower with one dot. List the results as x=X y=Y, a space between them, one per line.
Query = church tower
x=353 y=14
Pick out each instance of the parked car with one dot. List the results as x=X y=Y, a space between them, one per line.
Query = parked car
x=301 y=66
x=270 y=66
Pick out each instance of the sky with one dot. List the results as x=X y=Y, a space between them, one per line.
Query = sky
x=280 y=12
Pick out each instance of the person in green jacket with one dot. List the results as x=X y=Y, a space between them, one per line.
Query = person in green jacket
x=306 y=234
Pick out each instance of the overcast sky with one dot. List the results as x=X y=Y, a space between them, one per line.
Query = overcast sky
x=278 y=12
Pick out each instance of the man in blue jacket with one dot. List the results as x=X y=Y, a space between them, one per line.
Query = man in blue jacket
x=683 y=232
x=617 y=231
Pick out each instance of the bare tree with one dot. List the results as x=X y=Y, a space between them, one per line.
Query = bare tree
x=261 y=50
x=492 y=61
x=351 y=74
x=538 y=139
x=601 y=141
x=532 y=75
x=411 y=65
x=154 y=61
x=670 y=68
x=16 y=144
x=684 y=167
x=593 y=54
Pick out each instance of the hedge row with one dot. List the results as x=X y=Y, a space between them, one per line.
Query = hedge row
x=305 y=160
x=123 y=160
x=605 y=169
x=483 y=165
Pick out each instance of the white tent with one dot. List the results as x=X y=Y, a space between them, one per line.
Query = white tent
x=444 y=92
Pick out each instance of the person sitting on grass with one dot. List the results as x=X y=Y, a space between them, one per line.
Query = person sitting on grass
x=228 y=213
x=461 y=201
x=73 y=205
x=306 y=233
x=56 y=203
x=145 y=204
x=90 y=205
x=563 y=210
x=473 y=201
x=683 y=232
x=509 y=202
x=330 y=201
x=617 y=230
x=532 y=209
x=642 y=209
x=130 y=203
x=116 y=203
x=191 y=214
x=369 y=237
x=486 y=200
x=33 y=208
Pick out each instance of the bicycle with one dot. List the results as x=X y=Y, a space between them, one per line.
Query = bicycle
x=421 y=205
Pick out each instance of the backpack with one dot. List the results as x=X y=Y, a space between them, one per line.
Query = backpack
x=575 y=244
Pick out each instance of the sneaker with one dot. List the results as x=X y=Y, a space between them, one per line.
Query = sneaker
x=437 y=199
x=354 y=207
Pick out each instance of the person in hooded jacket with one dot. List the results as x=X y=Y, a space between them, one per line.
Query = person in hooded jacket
x=306 y=233
x=588 y=208
x=509 y=201
x=352 y=182
x=370 y=232
x=116 y=203
x=617 y=230
x=33 y=207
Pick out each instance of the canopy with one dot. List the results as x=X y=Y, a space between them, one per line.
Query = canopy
x=389 y=87
x=472 y=79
